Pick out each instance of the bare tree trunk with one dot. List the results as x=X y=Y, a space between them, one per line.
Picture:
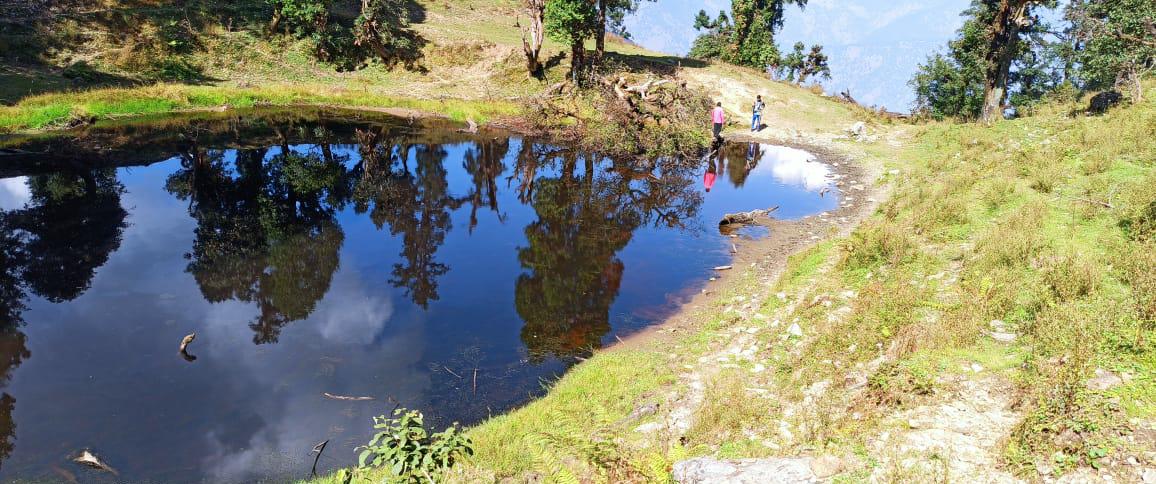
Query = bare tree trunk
x=532 y=47
x=1005 y=28
x=273 y=24
x=577 y=58
x=600 y=40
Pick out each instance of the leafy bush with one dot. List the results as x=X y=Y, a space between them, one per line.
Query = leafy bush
x=406 y=449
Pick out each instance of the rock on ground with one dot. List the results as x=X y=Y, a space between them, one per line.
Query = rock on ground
x=965 y=430
x=744 y=471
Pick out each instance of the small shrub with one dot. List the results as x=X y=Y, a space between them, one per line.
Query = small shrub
x=1137 y=270
x=898 y=383
x=405 y=448
x=997 y=192
x=1015 y=240
x=877 y=243
x=728 y=409
x=1071 y=277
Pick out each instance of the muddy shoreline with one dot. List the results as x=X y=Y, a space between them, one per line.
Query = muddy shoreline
x=768 y=255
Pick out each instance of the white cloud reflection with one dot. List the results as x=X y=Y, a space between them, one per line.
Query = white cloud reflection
x=792 y=166
x=14 y=193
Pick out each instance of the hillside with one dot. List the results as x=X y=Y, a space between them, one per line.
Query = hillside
x=989 y=321
x=980 y=308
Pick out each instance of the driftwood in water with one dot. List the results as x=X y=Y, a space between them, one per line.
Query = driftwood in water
x=91 y=460
x=186 y=341
x=746 y=217
x=185 y=347
x=346 y=398
x=319 y=448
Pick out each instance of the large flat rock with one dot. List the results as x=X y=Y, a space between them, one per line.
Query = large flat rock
x=744 y=471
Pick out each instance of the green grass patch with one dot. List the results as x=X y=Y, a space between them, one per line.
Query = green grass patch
x=48 y=110
x=36 y=117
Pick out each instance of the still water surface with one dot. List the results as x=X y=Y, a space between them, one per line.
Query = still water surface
x=324 y=252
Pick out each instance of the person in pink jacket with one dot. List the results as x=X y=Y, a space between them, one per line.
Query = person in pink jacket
x=718 y=116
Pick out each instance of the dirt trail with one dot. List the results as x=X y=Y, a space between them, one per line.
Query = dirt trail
x=953 y=436
x=786 y=116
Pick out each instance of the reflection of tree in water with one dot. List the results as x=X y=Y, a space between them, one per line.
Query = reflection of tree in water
x=72 y=224
x=737 y=160
x=265 y=229
x=584 y=220
x=51 y=247
x=415 y=205
x=484 y=164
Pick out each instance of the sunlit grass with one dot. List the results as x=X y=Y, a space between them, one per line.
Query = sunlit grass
x=60 y=108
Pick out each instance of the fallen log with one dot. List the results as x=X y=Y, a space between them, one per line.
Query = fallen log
x=746 y=217
x=346 y=398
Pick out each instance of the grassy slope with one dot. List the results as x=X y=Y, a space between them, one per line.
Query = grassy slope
x=1000 y=222
x=473 y=61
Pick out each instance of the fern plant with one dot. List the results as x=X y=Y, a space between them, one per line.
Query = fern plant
x=408 y=451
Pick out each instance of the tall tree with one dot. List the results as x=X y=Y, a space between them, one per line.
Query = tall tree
x=571 y=22
x=536 y=31
x=1008 y=20
x=611 y=15
x=1115 y=42
x=713 y=41
x=990 y=58
x=747 y=37
x=815 y=64
x=756 y=22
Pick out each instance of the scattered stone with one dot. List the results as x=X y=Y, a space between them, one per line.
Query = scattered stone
x=642 y=411
x=1104 y=380
x=858 y=131
x=1043 y=468
x=818 y=389
x=1069 y=439
x=759 y=368
x=1132 y=460
x=795 y=330
x=648 y=428
x=743 y=471
x=826 y=466
x=1148 y=476
x=1003 y=337
x=976 y=367
x=854 y=381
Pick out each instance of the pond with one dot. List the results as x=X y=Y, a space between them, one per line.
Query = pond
x=322 y=252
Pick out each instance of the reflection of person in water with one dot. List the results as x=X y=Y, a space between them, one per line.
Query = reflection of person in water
x=710 y=175
x=753 y=155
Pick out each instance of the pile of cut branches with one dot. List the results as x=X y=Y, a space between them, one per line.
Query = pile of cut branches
x=627 y=114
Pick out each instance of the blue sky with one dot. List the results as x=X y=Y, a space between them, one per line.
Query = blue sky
x=874 y=46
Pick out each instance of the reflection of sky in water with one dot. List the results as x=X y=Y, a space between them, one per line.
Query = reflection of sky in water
x=104 y=371
x=14 y=192
x=759 y=176
x=792 y=166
